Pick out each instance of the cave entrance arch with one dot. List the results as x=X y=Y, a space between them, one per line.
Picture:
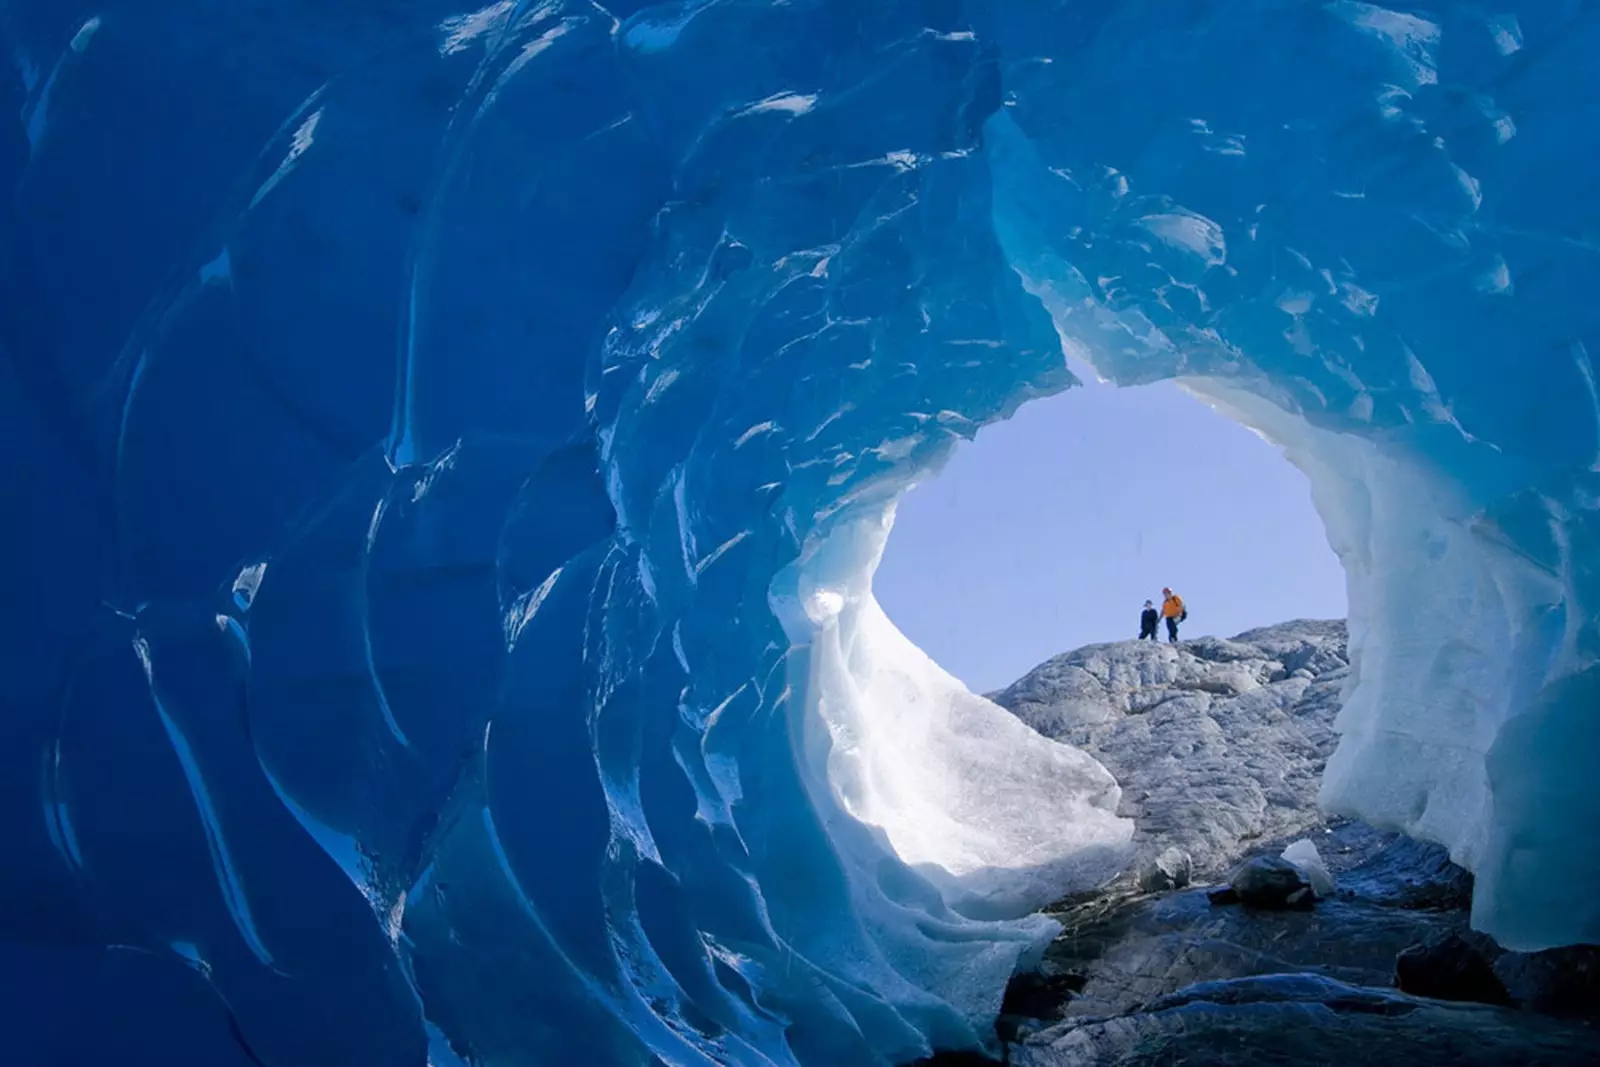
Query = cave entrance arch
x=1378 y=509
x=1048 y=531
x=439 y=368
x=1134 y=485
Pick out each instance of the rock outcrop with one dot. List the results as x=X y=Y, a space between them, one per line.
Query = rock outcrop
x=1216 y=743
x=1125 y=949
x=1173 y=869
x=1449 y=968
x=1308 y=1019
x=1219 y=746
x=1268 y=882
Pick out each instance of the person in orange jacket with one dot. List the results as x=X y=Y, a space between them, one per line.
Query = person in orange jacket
x=1174 y=612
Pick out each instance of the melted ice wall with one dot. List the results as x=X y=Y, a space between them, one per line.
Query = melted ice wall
x=1354 y=227
x=449 y=447
x=1001 y=819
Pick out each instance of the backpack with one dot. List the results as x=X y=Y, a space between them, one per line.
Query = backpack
x=1183 y=616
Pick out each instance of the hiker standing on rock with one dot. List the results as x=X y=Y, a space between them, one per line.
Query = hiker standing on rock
x=1174 y=612
x=1149 y=619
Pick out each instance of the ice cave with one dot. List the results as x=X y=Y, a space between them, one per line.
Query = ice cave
x=449 y=443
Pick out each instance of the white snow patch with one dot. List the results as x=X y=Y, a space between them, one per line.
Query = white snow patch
x=527 y=606
x=754 y=431
x=246 y=585
x=1189 y=232
x=786 y=103
x=304 y=137
x=1360 y=301
x=1496 y=278
x=459 y=31
x=1411 y=38
x=1304 y=855
x=1295 y=302
x=1470 y=185
x=662 y=383
x=86 y=32
x=1506 y=32
x=717 y=553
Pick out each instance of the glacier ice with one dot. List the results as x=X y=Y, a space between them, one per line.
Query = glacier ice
x=956 y=785
x=1304 y=855
x=448 y=444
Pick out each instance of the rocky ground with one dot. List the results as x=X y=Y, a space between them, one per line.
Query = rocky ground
x=1216 y=743
x=1219 y=746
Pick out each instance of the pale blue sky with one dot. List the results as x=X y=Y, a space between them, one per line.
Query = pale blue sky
x=1050 y=530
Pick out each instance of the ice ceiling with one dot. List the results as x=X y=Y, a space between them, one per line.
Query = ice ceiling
x=446 y=453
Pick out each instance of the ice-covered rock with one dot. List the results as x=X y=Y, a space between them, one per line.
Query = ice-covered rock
x=1215 y=743
x=1303 y=854
x=1269 y=882
x=1119 y=951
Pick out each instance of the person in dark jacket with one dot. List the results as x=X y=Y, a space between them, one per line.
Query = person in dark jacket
x=1148 y=621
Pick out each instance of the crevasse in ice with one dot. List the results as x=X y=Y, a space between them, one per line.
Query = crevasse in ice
x=447 y=451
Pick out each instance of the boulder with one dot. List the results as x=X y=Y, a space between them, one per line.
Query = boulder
x=1271 y=883
x=1563 y=982
x=1115 y=954
x=1217 y=745
x=1305 y=1019
x=1170 y=870
x=1304 y=855
x=1451 y=968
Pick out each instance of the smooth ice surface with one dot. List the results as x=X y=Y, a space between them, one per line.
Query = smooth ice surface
x=1304 y=855
x=959 y=786
x=446 y=449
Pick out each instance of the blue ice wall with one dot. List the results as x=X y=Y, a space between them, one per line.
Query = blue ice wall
x=424 y=429
x=1371 y=233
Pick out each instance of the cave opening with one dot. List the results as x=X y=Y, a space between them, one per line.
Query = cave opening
x=972 y=794
x=1050 y=529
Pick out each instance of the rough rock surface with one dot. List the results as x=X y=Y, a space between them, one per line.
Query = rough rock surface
x=1216 y=743
x=1121 y=951
x=1449 y=968
x=1306 y=1019
x=1173 y=869
x=1139 y=978
x=1218 y=746
x=1269 y=882
x=1563 y=982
